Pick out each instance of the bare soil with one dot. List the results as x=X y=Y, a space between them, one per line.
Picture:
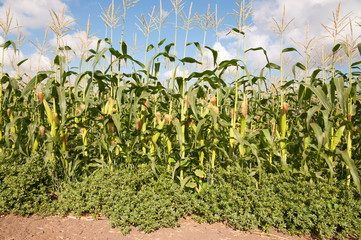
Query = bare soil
x=43 y=228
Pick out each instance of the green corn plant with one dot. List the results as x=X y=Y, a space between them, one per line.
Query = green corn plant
x=159 y=22
x=161 y=122
x=245 y=12
x=308 y=47
x=6 y=27
x=216 y=24
x=60 y=26
x=343 y=94
x=214 y=111
x=280 y=29
x=86 y=42
x=127 y=4
x=111 y=18
x=326 y=139
x=204 y=22
x=106 y=17
x=42 y=48
x=52 y=119
x=168 y=143
x=203 y=125
x=146 y=28
x=187 y=25
x=20 y=38
x=338 y=26
x=178 y=6
x=323 y=60
x=349 y=47
x=244 y=112
x=241 y=16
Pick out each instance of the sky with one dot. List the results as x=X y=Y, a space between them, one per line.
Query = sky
x=34 y=18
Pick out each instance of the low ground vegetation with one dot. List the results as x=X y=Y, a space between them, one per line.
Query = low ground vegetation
x=136 y=197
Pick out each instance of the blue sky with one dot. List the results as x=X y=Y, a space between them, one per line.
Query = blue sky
x=34 y=16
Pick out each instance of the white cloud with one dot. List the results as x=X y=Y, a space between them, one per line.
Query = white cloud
x=260 y=34
x=179 y=73
x=317 y=12
x=79 y=42
x=31 y=15
x=223 y=53
x=12 y=58
x=35 y=60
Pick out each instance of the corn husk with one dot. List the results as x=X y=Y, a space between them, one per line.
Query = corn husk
x=41 y=131
x=40 y=97
x=138 y=124
x=244 y=108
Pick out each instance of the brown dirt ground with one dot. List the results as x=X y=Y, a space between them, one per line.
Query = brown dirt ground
x=45 y=228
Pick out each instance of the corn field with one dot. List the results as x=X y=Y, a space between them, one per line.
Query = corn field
x=114 y=111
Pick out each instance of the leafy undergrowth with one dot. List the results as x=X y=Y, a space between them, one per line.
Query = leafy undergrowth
x=136 y=197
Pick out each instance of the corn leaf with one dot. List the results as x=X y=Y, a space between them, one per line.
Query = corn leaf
x=31 y=84
x=318 y=133
x=352 y=168
x=318 y=91
x=214 y=54
x=359 y=48
x=337 y=138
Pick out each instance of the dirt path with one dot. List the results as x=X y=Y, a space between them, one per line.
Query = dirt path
x=40 y=228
